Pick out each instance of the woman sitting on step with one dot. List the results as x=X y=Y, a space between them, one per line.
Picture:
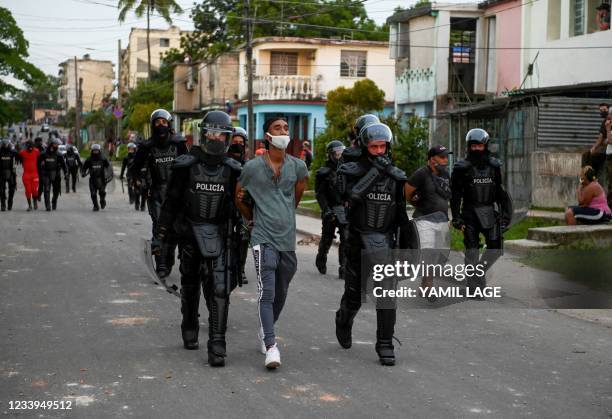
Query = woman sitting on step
x=592 y=205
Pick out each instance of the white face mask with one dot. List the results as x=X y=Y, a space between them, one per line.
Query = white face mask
x=279 y=141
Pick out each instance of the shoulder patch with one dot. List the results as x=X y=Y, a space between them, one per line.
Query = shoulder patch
x=462 y=165
x=495 y=162
x=323 y=171
x=232 y=164
x=351 y=169
x=184 y=160
x=397 y=173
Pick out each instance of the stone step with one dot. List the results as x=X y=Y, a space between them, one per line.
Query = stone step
x=600 y=234
x=525 y=245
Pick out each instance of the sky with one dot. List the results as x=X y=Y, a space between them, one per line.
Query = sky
x=60 y=29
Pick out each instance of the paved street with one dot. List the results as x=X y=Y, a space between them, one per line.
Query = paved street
x=83 y=322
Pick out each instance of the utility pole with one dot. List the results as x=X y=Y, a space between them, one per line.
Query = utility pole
x=249 y=58
x=119 y=88
x=77 y=113
x=80 y=106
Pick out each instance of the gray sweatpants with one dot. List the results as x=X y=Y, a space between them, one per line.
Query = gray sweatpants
x=274 y=273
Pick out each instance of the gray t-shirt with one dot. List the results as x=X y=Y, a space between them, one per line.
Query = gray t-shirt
x=274 y=212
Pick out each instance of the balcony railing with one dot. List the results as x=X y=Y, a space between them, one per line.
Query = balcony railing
x=287 y=87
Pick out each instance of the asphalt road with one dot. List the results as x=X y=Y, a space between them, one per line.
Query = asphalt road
x=82 y=322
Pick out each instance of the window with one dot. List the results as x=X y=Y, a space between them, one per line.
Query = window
x=399 y=40
x=553 y=23
x=141 y=66
x=283 y=63
x=164 y=42
x=583 y=16
x=353 y=63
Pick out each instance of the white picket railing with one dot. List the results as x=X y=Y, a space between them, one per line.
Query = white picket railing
x=287 y=87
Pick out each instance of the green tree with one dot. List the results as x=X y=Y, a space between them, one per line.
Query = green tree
x=410 y=142
x=220 y=24
x=140 y=7
x=343 y=106
x=141 y=114
x=13 y=55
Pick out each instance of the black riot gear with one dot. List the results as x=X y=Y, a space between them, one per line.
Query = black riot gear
x=216 y=133
x=360 y=123
x=73 y=164
x=8 y=175
x=126 y=164
x=375 y=132
x=333 y=215
x=153 y=166
x=96 y=166
x=200 y=208
x=376 y=207
x=160 y=132
x=50 y=163
x=479 y=205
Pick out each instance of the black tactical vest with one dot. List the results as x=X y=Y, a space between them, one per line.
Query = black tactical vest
x=481 y=186
x=161 y=163
x=71 y=160
x=209 y=193
x=7 y=165
x=50 y=165
x=97 y=168
x=377 y=210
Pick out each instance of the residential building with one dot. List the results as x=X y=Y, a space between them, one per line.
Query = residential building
x=96 y=80
x=134 y=59
x=434 y=51
x=203 y=86
x=292 y=77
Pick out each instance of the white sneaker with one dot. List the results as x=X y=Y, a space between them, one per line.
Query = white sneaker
x=262 y=345
x=273 y=358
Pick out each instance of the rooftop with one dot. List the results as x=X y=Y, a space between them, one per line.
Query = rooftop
x=317 y=41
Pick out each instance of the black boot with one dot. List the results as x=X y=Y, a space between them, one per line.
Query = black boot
x=218 y=308
x=190 y=326
x=3 y=205
x=385 y=321
x=54 y=204
x=35 y=204
x=102 y=203
x=344 y=325
x=10 y=203
x=321 y=262
x=30 y=204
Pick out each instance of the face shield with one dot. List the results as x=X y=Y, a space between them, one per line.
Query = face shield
x=336 y=152
x=215 y=141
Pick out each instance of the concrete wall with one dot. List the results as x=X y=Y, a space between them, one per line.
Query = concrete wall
x=555 y=178
x=182 y=98
x=218 y=82
x=561 y=67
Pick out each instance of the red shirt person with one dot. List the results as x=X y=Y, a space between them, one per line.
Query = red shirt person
x=29 y=160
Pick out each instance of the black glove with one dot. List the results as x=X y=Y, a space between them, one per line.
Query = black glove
x=328 y=215
x=382 y=163
x=504 y=226
x=458 y=223
x=163 y=233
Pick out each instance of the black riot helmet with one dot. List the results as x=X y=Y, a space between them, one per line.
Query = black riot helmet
x=241 y=132
x=477 y=136
x=6 y=143
x=361 y=122
x=236 y=150
x=160 y=132
x=96 y=150
x=334 y=150
x=215 y=133
x=375 y=132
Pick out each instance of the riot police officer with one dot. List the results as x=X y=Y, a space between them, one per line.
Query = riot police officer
x=353 y=152
x=8 y=174
x=373 y=191
x=96 y=166
x=50 y=164
x=73 y=163
x=158 y=155
x=126 y=164
x=332 y=209
x=476 y=191
x=199 y=208
x=237 y=151
x=38 y=143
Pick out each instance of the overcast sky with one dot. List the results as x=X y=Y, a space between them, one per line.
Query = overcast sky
x=60 y=29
